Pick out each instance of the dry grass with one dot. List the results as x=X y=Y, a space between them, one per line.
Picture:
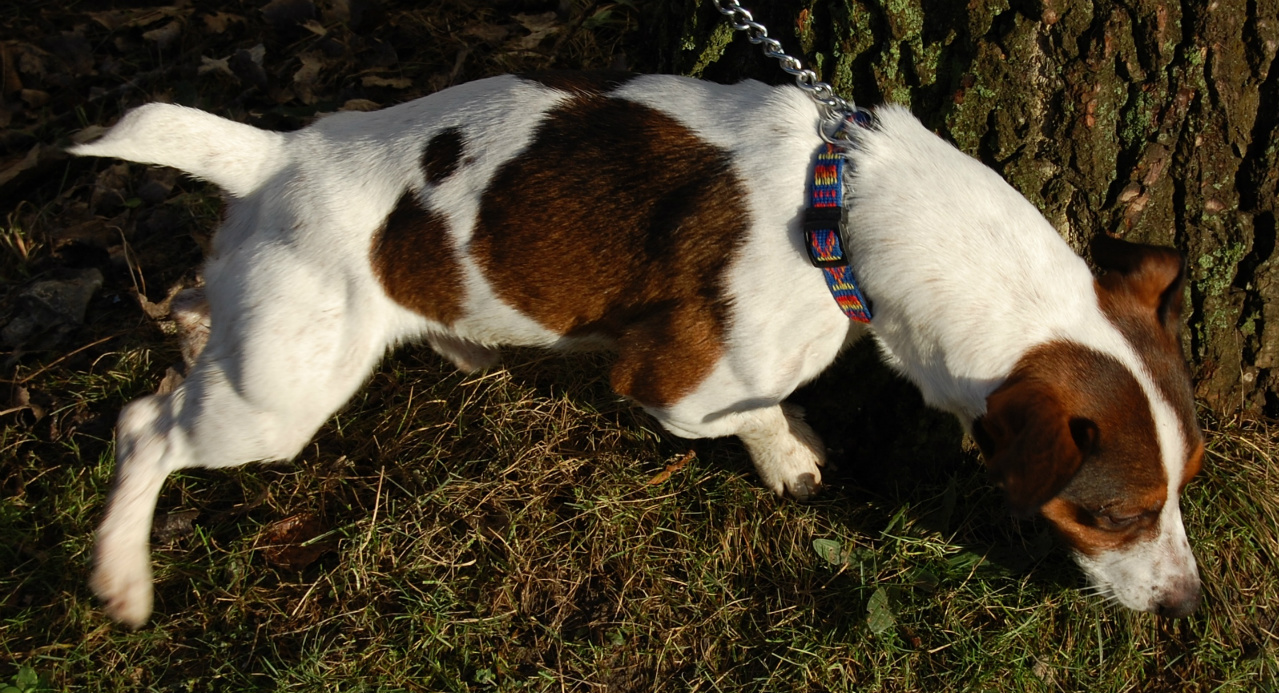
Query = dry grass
x=499 y=532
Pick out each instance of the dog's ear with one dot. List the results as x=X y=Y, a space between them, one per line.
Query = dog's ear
x=1032 y=445
x=1150 y=275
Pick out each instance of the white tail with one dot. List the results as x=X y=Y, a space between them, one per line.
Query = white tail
x=236 y=157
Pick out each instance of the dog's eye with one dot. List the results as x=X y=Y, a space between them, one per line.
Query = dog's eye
x=1118 y=520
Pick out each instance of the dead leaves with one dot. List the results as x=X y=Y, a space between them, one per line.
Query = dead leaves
x=296 y=541
x=48 y=309
x=14 y=172
x=664 y=475
x=293 y=543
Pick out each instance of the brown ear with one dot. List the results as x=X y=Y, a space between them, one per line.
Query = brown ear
x=1151 y=275
x=1032 y=446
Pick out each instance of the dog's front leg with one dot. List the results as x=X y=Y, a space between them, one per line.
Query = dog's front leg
x=788 y=455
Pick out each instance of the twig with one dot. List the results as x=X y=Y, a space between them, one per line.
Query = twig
x=26 y=379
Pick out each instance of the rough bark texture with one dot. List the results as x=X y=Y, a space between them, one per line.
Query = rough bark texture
x=1154 y=121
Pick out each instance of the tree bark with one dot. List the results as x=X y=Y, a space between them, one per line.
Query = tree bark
x=1153 y=121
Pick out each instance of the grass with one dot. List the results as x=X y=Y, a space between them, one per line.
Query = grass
x=499 y=532
x=518 y=530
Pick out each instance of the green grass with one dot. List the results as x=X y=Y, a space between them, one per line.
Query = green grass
x=499 y=532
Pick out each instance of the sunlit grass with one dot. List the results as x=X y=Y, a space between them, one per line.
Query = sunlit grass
x=499 y=532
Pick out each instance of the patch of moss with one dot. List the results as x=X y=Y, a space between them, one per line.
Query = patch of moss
x=719 y=39
x=1137 y=118
x=1215 y=273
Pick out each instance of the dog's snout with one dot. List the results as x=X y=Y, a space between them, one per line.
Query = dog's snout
x=1181 y=601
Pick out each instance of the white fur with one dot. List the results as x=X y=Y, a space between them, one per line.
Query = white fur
x=965 y=277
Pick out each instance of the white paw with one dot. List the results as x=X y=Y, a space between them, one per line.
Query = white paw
x=794 y=471
x=789 y=460
x=122 y=579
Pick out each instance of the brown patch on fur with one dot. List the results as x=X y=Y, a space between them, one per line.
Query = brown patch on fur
x=1072 y=424
x=413 y=258
x=586 y=82
x=618 y=222
x=1141 y=293
x=442 y=156
x=1193 y=464
x=1089 y=535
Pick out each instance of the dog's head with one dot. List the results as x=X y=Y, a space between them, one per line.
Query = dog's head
x=1101 y=441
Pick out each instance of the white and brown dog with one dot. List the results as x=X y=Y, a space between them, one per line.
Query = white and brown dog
x=661 y=216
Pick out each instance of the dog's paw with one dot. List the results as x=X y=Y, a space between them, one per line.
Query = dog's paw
x=122 y=580
x=788 y=455
x=790 y=463
x=793 y=474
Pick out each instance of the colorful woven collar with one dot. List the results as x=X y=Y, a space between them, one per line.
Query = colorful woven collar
x=822 y=221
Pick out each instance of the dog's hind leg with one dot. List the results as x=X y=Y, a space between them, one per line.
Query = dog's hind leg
x=278 y=363
x=147 y=449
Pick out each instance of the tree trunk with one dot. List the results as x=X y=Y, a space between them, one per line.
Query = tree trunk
x=1154 y=121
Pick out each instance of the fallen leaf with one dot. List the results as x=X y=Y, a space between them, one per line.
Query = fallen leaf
x=165 y=35
x=304 y=79
x=315 y=27
x=491 y=33
x=93 y=232
x=831 y=550
x=291 y=543
x=217 y=65
x=219 y=22
x=135 y=18
x=38 y=157
x=170 y=382
x=671 y=468
x=35 y=98
x=879 y=615
x=392 y=82
x=88 y=134
x=172 y=526
x=10 y=82
x=360 y=105
x=539 y=27
x=21 y=401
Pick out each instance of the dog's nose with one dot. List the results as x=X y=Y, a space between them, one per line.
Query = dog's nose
x=1181 y=601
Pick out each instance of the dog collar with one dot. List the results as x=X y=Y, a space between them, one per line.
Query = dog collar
x=823 y=220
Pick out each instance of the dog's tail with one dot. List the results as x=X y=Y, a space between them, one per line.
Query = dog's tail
x=236 y=157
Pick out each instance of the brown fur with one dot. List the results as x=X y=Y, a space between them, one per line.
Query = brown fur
x=1142 y=294
x=1090 y=536
x=442 y=156
x=1072 y=425
x=588 y=244
x=414 y=259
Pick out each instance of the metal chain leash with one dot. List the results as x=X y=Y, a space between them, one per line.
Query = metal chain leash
x=838 y=110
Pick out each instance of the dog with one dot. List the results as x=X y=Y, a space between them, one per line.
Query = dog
x=663 y=217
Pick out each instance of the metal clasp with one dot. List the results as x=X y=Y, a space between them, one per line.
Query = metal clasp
x=822 y=237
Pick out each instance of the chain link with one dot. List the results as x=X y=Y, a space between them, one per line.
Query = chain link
x=838 y=110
